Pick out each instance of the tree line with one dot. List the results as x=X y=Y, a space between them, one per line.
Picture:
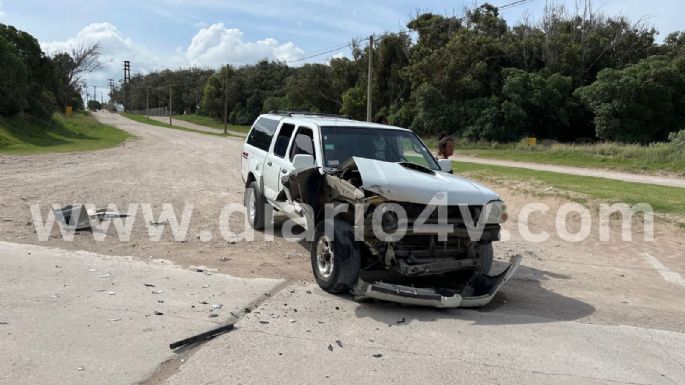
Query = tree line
x=571 y=76
x=36 y=84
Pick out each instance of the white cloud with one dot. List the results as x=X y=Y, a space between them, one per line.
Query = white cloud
x=2 y=13
x=216 y=45
x=115 y=48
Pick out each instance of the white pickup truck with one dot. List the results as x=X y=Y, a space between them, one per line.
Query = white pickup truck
x=374 y=200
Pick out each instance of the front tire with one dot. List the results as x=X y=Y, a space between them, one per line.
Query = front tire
x=254 y=203
x=487 y=254
x=335 y=262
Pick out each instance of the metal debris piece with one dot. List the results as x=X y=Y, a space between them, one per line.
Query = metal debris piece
x=104 y=275
x=148 y=285
x=217 y=306
x=158 y=313
x=202 y=336
x=377 y=355
x=330 y=347
x=339 y=343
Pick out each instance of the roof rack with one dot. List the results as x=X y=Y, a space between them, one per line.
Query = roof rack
x=307 y=113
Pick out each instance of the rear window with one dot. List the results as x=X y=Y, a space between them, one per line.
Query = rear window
x=262 y=132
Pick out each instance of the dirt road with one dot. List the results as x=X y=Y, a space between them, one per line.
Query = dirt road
x=622 y=176
x=584 y=294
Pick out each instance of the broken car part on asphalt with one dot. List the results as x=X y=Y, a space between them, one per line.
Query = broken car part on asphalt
x=208 y=335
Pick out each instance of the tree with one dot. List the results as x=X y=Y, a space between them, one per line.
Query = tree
x=639 y=104
x=28 y=75
x=94 y=105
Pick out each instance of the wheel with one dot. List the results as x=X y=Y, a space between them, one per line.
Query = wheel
x=335 y=262
x=487 y=254
x=254 y=202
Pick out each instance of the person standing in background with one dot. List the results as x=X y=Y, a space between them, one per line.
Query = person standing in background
x=445 y=146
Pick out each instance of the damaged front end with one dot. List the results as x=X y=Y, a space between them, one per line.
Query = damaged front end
x=432 y=254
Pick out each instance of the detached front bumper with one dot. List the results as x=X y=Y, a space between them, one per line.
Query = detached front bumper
x=479 y=291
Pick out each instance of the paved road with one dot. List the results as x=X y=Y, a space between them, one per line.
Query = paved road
x=74 y=317
x=623 y=176
x=183 y=123
x=293 y=339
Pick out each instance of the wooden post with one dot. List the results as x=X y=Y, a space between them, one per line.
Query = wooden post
x=369 y=81
x=170 y=105
x=225 y=99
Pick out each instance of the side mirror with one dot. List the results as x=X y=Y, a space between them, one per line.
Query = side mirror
x=303 y=161
x=445 y=165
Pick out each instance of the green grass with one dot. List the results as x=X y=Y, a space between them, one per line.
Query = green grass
x=658 y=158
x=152 y=122
x=81 y=132
x=667 y=200
x=211 y=122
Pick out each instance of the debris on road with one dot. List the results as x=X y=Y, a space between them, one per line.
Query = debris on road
x=339 y=343
x=213 y=315
x=157 y=291
x=4 y=323
x=104 y=275
x=202 y=336
x=217 y=306
x=78 y=217
x=148 y=285
x=377 y=355
x=330 y=347
x=158 y=313
x=114 y=319
x=401 y=321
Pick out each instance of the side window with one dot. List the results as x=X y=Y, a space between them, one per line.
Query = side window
x=262 y=133
x=283 y=139
x=303 y=143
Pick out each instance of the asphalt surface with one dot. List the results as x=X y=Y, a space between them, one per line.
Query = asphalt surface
x=74 y=317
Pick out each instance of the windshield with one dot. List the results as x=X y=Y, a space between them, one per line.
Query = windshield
x=342 y=143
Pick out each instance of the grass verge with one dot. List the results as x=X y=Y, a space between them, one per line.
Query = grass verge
x=657 y=158
x=211 y=123
x=152 y=122
x=81 y=132
x=666 y=200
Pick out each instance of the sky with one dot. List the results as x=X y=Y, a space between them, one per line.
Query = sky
x=158 y=34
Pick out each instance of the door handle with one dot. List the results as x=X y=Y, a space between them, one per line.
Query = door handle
x=269 y=163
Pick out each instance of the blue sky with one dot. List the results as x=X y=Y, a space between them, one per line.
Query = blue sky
x=156 y=34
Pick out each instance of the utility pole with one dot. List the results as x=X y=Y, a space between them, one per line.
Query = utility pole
x=95 y=93
x=102 y=100
x=170 y=105
x=111 y=89
x=127 y=80
x=147 y=102
x=369 y=81
x=225 y=99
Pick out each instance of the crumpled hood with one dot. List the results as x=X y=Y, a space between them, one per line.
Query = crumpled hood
x=402 y=184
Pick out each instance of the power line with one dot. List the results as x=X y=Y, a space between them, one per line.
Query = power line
x=319 y=54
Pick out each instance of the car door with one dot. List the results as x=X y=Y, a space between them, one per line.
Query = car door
x=277 y=162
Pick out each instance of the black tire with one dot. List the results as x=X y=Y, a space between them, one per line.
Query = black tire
x=487 y=254
x=256 y=219
x=345 y=257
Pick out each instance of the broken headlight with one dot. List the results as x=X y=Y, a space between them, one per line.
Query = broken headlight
x=496 y=212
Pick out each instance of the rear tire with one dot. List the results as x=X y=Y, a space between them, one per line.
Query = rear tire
x=335 y=262
x=254 y=203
